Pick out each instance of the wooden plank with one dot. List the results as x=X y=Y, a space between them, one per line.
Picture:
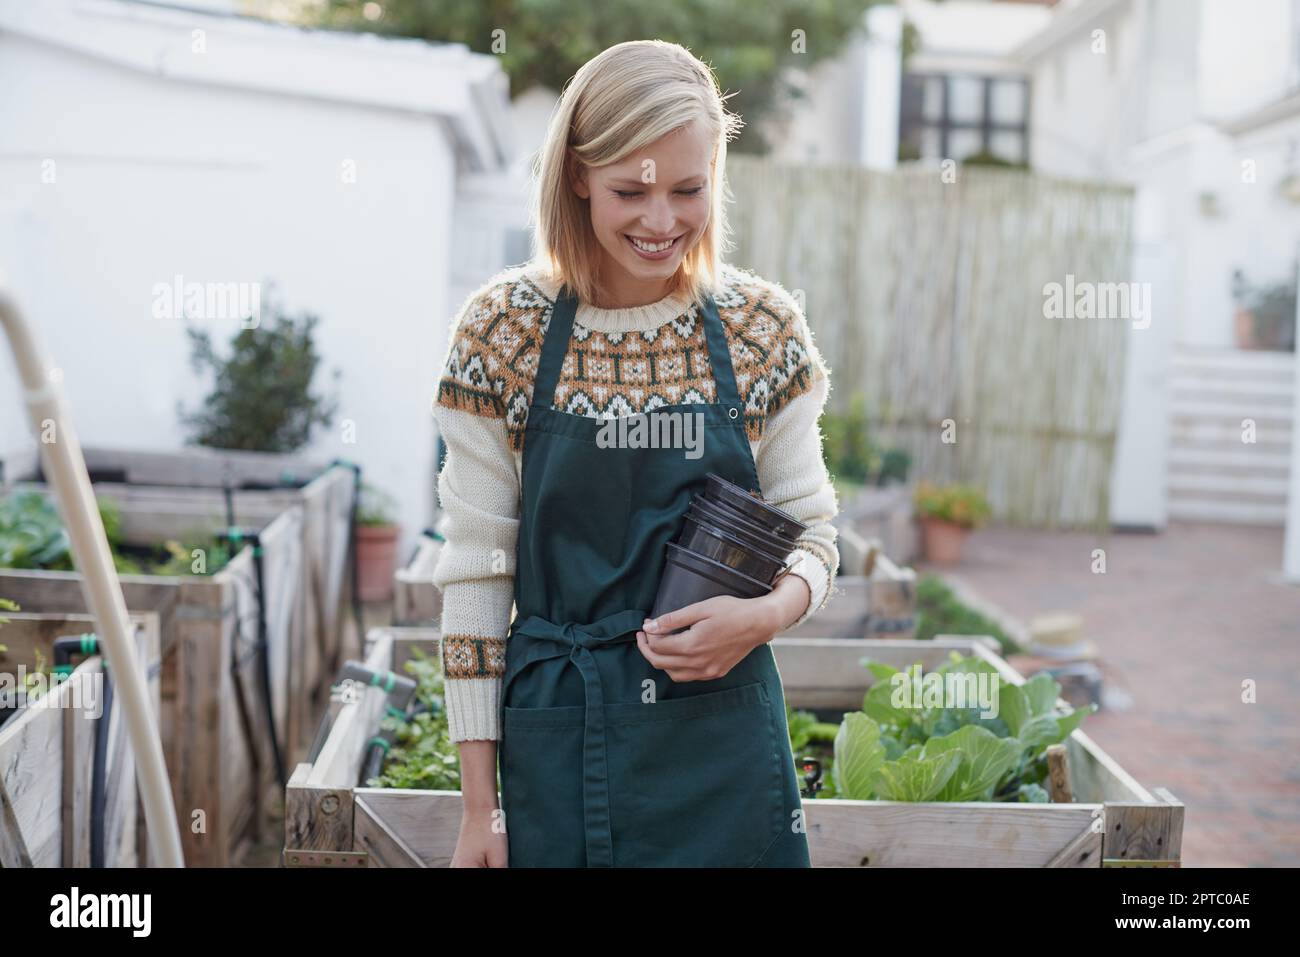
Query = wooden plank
x=188 y=466
x=416 y=600
x=1144 y=832
x=378 y=838
x=339 y=763
x=934 y=834
x=31 y=775
x=78 y=760
x=316 y=818
x=423 y=825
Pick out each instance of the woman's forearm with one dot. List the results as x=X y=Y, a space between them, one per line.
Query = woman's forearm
x=478 y=775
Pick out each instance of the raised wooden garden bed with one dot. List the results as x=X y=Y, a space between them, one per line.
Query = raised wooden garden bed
x=166 y=492
x=884 y=515
x=330 y=821
x=214 y=728
x=48 y=745
x=416 y=600
x=879 y=604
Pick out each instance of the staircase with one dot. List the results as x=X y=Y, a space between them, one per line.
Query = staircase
x=1214 y=476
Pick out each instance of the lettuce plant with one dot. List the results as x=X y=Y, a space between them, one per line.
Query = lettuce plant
x=891 y=753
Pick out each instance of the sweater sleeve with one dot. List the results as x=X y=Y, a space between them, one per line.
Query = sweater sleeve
x=478 y=490
x=791 y=470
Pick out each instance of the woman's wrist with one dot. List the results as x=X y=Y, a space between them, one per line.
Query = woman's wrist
x=786 y=602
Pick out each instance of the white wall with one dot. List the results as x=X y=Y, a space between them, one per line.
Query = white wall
x=157 y=177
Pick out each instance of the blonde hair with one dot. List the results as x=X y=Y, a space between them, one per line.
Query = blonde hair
x=618 y=102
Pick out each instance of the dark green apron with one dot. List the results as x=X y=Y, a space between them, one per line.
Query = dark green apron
x=605 y=760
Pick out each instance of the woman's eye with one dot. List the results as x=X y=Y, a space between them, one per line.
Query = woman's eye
x=624 y=194
x=691 y=192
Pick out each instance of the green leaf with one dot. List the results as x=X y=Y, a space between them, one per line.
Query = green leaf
x=1042 y=690
x=1013 y=707
x=1040 y=731
x=915 y=778
x=986 y=760
x=858 y=753
x=1033 y=794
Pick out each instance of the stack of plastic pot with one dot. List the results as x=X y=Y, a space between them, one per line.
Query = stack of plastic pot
x=731 y=543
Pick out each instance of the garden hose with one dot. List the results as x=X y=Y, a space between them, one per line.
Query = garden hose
x=64 y=650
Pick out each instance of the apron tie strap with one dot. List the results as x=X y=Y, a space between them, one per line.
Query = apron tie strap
x=578 y=641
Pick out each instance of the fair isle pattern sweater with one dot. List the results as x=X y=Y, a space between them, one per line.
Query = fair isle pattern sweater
x=619 y=362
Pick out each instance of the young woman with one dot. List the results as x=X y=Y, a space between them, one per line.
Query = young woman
x=622 y=744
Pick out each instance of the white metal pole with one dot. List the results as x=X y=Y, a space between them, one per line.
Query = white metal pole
x=65 y=467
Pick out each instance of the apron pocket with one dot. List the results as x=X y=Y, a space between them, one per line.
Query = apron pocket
x=695 y=781
x=541 y=786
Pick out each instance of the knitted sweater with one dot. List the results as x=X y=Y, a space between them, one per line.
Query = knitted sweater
x=619 y=362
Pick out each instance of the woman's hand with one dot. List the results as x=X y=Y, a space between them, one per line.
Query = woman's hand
x=482 y=838
x=723 y=630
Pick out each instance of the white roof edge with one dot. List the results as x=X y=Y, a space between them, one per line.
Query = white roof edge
x=1063 y=25
x=468 y=90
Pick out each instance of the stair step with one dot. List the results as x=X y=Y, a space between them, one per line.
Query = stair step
x=1238 y=456
x=1226 y=361
x=1255 y=390
x=1237 y=513
x=1229 y=488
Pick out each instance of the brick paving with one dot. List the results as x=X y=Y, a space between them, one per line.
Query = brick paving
x=1181 y=619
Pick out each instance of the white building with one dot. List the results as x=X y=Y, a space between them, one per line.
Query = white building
x=140 y=142
x=1196 y=103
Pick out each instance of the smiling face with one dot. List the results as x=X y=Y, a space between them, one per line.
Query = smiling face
x=647 y=211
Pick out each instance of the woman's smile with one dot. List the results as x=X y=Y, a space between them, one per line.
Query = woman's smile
x=653 y=249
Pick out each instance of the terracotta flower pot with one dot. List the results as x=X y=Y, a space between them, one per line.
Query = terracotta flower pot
x=1243 y=327
x=376 y=561
x=944 y=540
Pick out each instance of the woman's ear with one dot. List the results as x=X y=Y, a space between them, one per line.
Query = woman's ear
x=576 y=171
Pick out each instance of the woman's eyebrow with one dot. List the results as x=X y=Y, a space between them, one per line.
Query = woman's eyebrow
x=636 y=181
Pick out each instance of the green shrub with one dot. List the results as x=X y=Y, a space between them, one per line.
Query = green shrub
x=850 y=453
x=262 y=399
x=938 y=612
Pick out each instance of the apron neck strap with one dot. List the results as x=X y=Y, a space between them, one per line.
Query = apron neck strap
x=560 y=329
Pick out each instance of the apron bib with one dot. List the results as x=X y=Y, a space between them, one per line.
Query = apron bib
x=605 y=760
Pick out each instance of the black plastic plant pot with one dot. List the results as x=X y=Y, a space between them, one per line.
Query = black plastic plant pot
x=710 y=541
x=689 y=578
x=733 y=523
x=769 y=516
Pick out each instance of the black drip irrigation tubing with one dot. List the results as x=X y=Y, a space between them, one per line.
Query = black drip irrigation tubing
x=86 y=645
x=235 y=536
x=352 y=549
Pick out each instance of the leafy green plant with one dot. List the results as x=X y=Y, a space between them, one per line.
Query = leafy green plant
x=939 y=612
x=423 y=756
x=32 y=535
x=851 y=454
x=963 y=505
x=262 y=399
x=933 y=753
x=6 y=605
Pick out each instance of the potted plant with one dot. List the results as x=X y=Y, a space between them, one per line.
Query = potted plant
x=947 y=514
x=376 y=544
x=1265 y=316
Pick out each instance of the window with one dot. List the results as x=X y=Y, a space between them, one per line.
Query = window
x=955 y=116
